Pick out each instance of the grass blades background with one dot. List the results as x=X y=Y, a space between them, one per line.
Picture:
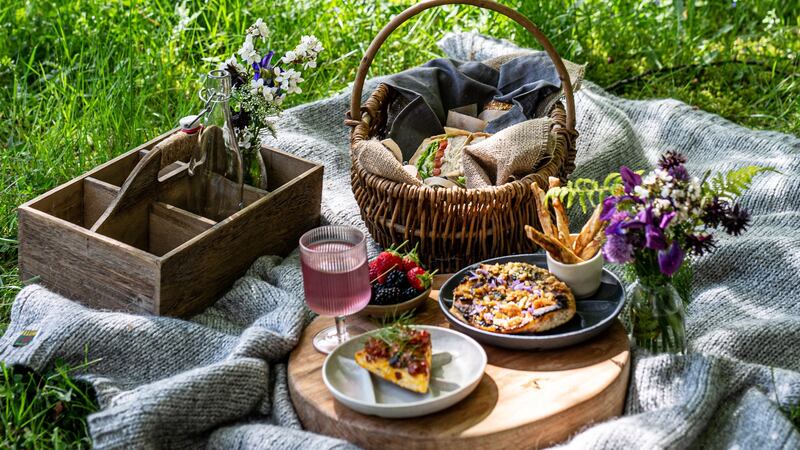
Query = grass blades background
x=85 y=80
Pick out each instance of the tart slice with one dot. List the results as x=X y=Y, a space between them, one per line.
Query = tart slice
x=399 y=354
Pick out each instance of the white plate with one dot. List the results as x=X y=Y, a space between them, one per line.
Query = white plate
x=457 y=368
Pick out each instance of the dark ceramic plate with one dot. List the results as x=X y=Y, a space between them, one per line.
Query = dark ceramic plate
x=594 y=313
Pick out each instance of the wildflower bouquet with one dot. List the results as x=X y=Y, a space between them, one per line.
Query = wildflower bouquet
x=655 y=222
x=260 y=83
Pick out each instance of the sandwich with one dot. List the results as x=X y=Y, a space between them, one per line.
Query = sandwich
x=440 y=156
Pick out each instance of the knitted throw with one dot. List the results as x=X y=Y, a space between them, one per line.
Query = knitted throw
x=219 y=379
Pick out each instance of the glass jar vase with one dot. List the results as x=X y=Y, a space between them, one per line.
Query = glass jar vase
x=657 y=321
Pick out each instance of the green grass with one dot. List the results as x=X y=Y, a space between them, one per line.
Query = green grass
x=43 y=411
x=84 y=80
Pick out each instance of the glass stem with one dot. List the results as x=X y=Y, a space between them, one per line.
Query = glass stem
x=341 y=329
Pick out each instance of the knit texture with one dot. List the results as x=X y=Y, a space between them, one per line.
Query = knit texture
x=219 y=379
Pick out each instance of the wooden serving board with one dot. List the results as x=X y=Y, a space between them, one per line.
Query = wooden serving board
x=525 y=400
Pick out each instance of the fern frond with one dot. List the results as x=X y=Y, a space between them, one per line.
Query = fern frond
x=733 y=183
x=586 y=192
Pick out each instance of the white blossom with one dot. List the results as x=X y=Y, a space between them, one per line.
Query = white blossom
x=288 y=80
x=245 y=138
x=233 y=62
x=256 y=86
x=289 y=58
x=248 y=50
x=259 y=29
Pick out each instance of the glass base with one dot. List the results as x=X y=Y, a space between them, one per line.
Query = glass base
x=327 y=339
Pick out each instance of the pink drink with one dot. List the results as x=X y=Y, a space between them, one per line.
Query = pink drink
x=336 y=284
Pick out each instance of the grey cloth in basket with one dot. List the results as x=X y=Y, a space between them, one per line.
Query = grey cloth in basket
x=428 y=92
x=220 y=380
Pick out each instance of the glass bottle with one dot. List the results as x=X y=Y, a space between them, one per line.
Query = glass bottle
x=218 y=173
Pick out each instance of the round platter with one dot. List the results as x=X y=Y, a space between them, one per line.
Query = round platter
x=594 y=313
x=524 y=399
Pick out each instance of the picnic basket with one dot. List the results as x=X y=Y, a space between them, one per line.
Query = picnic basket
x=453 y=227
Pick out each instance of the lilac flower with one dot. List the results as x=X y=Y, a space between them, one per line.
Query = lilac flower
x=617 y=249
x=670 y=260
x=630 y=179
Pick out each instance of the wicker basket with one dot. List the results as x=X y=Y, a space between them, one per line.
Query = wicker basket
x=453 y=227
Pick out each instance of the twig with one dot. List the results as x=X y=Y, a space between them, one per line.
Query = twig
x=649 y=72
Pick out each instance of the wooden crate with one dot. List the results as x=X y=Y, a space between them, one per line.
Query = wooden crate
x=161 y=257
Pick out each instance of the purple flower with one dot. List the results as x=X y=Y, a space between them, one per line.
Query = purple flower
x=263 y=64
x=670 y=260
x=616 y=223
x=630 y=179
x=617 y=249
x=654 y=238
x=610 y=205
x=666 y=219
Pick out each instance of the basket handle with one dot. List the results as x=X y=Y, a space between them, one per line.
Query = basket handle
x=380 y=38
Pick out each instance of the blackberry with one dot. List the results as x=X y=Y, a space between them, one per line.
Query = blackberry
x=385 y=295
x=409 y=293
x=396 y=278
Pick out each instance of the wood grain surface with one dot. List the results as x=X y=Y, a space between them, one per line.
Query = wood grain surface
x=525 y=400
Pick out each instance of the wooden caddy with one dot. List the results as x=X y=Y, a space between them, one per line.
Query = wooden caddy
x=113 y=238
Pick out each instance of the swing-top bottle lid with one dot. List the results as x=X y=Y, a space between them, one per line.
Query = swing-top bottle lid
x=190 y=124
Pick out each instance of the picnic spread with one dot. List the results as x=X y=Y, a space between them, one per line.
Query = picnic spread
x=462 y=160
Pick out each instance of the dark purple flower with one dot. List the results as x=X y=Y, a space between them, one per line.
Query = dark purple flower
x=736 y=220
x=679 y=173
x=263 y=64
x=714 y=212
x=671 y=160
x=630 y=179
x=237 y=79
x=700 y=244
x=240 y=119
x=617 y=249
x=609 y=206
x=670 y=260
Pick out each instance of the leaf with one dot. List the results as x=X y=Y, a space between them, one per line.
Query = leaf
x=733 y=183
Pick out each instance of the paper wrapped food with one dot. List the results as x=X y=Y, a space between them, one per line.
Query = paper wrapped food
x=441 y=156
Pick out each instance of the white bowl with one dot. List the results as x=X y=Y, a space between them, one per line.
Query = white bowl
x=583 y=278
x=457 y=369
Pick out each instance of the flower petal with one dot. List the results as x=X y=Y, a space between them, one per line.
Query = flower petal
x=670 y=260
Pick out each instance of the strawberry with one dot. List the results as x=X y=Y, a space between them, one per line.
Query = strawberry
x=410 y=260
x=389 y=259
x=419 y=278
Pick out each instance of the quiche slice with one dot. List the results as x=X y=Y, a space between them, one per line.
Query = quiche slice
x=399 y=354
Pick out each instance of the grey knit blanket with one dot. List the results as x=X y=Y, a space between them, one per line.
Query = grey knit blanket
x=219 y=379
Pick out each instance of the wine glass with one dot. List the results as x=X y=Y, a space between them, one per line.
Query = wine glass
x=335 y=279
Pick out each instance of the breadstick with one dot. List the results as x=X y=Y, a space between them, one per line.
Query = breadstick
x=541 y=211
x=553 y=182
x=562 y=223
x=589 y=230
x=592 y=247
x=556 y=249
